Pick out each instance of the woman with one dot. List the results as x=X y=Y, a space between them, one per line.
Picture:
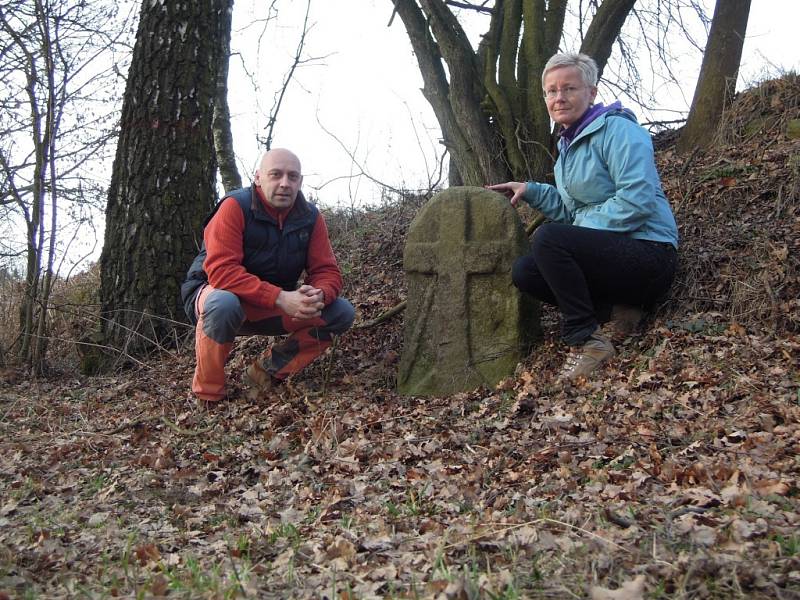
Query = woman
x=611 y=248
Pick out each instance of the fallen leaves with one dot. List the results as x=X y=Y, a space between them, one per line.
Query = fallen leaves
x=387 y=494
x=673 y=473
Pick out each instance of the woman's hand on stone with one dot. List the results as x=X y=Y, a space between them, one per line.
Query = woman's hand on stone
x=513 y=190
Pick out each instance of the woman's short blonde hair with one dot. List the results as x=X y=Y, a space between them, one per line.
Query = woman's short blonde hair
x=585 y=64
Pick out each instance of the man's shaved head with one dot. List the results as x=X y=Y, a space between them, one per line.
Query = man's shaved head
x=279 y=177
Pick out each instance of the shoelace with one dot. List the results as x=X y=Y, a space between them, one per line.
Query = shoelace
x=573 y=358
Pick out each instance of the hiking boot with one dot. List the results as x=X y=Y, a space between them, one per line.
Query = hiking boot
x=585 y=359
x=625 y=320
x=256 y=376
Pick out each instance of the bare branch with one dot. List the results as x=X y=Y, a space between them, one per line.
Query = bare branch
x=481 y=8
x=363 y=172
x=273 y=114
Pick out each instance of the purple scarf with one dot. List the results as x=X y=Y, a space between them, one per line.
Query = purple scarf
x=594 y=111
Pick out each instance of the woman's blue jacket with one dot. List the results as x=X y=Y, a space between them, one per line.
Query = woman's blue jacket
x=607 y=179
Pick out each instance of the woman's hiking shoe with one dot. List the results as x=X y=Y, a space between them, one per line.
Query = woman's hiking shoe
x=585 y=359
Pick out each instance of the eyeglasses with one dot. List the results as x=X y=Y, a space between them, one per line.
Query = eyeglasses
x=568 y=91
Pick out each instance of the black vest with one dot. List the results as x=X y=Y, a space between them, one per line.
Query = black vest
x=271 y=254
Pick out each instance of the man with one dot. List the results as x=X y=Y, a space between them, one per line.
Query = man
x=256 y=244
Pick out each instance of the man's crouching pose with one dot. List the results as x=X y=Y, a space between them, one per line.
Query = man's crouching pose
x=256 y=244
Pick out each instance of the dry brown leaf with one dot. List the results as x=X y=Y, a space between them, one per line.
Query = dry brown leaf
x=341 y=548
x=159 y=587
x=147 y=553
x=700 y=497
x=630 y=590
x=766 y=487
x=386 y=573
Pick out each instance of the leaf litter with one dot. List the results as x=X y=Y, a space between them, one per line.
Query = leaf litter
x=671 y=474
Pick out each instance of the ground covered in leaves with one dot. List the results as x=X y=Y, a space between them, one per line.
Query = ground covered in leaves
x=671 y=474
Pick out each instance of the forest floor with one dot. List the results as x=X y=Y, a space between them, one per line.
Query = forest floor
x=673 y=473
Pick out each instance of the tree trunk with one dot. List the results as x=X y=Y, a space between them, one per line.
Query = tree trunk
x=605 y=29
x=55 y=108
x=28 y=51
x=162 y=184
x=436 y=88
x=223 y=138
x=49 y=46
x=489 y=102
x=453 y=176
x=466 y=95
x=718 y=73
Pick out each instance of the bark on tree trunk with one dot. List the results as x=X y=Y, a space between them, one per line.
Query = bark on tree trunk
x=604 y=30
x=162 y=182
x=718 y=73
x=223 y=138
x=466 y=94
x=453 y=176
x=436 y=87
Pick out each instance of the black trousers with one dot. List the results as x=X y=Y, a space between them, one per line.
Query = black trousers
x=585 y=271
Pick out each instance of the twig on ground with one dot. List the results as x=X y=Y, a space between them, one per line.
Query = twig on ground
x=617 y=519
x=236 y=574
x=142 y=422
x=181 y=431
x=384 y=316
x=329 y=366
x=534 y=522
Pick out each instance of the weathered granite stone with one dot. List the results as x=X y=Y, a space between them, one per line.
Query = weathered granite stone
x=465 y=324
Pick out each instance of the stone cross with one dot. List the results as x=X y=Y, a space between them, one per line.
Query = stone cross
x=466 y=324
